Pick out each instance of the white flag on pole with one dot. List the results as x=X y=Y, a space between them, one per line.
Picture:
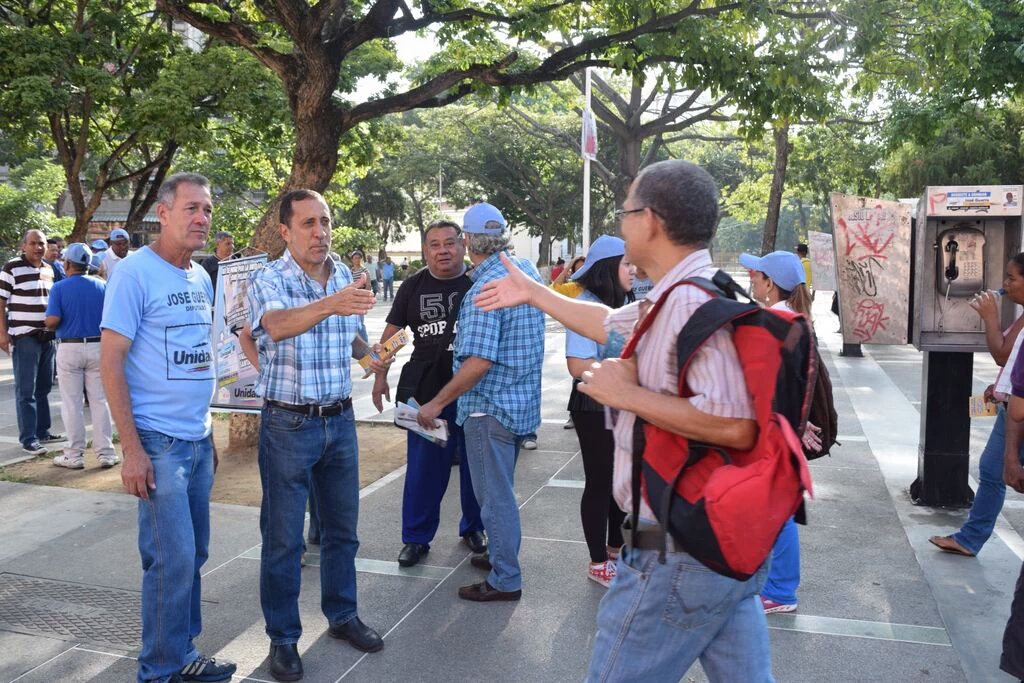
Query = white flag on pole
x=588 y=141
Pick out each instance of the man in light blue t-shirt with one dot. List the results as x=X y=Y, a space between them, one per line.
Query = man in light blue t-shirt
x=156 y=360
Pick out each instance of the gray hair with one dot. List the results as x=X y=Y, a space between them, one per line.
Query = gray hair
x=485 y=245
x=169 y=188
x=684 y=196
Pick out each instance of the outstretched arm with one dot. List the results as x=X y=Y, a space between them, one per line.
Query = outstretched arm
x=517 y=288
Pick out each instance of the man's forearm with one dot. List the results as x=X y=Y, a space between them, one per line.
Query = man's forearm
x=470 y=372
x=291 y=322
x=115 y=386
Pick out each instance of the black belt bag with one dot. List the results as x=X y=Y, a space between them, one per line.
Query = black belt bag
x=314 y=410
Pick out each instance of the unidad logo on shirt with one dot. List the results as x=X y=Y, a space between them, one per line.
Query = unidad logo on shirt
x=189 y=352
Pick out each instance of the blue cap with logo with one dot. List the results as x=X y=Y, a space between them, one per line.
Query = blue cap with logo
x=483 y=219
x=78 y=254
x=118 y=234
x=784 y=267
x=605 y=246
x=98 y=245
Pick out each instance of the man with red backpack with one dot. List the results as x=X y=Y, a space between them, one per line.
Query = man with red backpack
x=665 y=609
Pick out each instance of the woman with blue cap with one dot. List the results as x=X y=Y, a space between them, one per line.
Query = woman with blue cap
x=777 y=280
x=605 y=277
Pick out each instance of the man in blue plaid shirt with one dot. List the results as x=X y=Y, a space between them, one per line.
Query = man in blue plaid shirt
x=305 y=314
x=498 y=360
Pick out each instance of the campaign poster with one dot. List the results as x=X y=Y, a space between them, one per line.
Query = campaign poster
x=823 y=260
x=972 y=201
x=236 y=377
x=872 y=249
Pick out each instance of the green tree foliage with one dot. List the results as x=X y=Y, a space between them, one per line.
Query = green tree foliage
x=980 y=145
x=117 y=93
x=26 y=203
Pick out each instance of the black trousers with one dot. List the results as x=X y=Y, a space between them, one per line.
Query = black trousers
x=602 y=518
x=1012 y=661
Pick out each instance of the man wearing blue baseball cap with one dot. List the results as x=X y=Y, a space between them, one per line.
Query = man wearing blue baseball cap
x=498 y=360
x=74 y=312
x=119 y=243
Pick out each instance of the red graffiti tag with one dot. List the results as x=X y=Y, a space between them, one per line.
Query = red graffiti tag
x=869 y=318
x=872 y=229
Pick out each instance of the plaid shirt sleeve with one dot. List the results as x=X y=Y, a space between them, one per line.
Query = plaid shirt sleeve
x=479 y=333
x=263 y=295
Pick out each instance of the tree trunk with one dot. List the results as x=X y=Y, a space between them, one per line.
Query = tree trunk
x=318 y=127
x=243 y=432
x=771 y=221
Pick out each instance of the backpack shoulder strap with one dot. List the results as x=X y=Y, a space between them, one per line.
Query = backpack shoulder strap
x=645 y=324
x=704 y=322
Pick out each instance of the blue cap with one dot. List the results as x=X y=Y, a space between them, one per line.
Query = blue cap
x=605 y=246
x=783 y=267
x=483 y=219
x=78 y=254
x=98 y=245
x=119 y=234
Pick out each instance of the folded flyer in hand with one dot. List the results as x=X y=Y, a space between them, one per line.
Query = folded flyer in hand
x=405 y=417
x=389 y=349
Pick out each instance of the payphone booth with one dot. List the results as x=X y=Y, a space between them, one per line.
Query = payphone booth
x=964 y=237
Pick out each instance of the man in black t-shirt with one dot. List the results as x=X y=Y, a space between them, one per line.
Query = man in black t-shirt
x=428 y=302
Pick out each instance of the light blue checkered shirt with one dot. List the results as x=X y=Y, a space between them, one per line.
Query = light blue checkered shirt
x=513 y=340
x=314 y=366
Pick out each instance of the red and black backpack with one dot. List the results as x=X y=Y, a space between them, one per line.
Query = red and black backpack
x=725 y=506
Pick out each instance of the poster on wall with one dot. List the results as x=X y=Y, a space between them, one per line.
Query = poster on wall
x=823 y=260
x=236 y=377
x=872 y=262
x=974 y=201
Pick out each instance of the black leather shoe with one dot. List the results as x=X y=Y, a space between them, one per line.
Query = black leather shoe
x=477 y=541
x=285 y=664
x=359 y=634
x=481 y=561
x=411 y=554
x=484 y=592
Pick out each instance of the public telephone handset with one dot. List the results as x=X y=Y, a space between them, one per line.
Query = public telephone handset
x=960 y=271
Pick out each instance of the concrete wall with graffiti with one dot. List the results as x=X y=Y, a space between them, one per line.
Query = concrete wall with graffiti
x=872 y=262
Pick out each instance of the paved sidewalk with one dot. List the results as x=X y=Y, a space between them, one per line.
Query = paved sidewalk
x=877 y=602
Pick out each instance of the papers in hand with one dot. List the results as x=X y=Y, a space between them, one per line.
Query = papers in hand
x=405 y=417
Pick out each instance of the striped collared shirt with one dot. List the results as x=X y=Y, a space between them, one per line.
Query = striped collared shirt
x=513 y=340
x=715 y=376
x=313 y=367
x=26 y=289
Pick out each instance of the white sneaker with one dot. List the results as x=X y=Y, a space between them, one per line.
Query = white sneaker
x=109 y=460
x=70 y=461
x=530 y=445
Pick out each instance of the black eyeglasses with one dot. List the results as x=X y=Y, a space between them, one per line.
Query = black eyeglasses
x=620 y=213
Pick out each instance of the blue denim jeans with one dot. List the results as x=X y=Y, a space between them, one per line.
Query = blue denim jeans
x=389 y=289
x=426 y=480
x=174 y=537
x=988 y=501
x=657 y=619
x=33 y=379
x=492 y=451
x=296 y=453
x=784 y=572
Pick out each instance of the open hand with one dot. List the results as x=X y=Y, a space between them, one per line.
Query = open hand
x=812 y=438
x=1013 y=475
x=511 y=290
x=352 y=299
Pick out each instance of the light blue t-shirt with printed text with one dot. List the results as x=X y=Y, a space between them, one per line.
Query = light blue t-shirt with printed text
x=167 y=313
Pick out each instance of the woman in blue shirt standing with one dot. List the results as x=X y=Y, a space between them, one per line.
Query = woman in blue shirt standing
x=606 y=277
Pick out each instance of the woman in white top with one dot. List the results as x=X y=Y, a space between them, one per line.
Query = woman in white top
x=777 y=280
